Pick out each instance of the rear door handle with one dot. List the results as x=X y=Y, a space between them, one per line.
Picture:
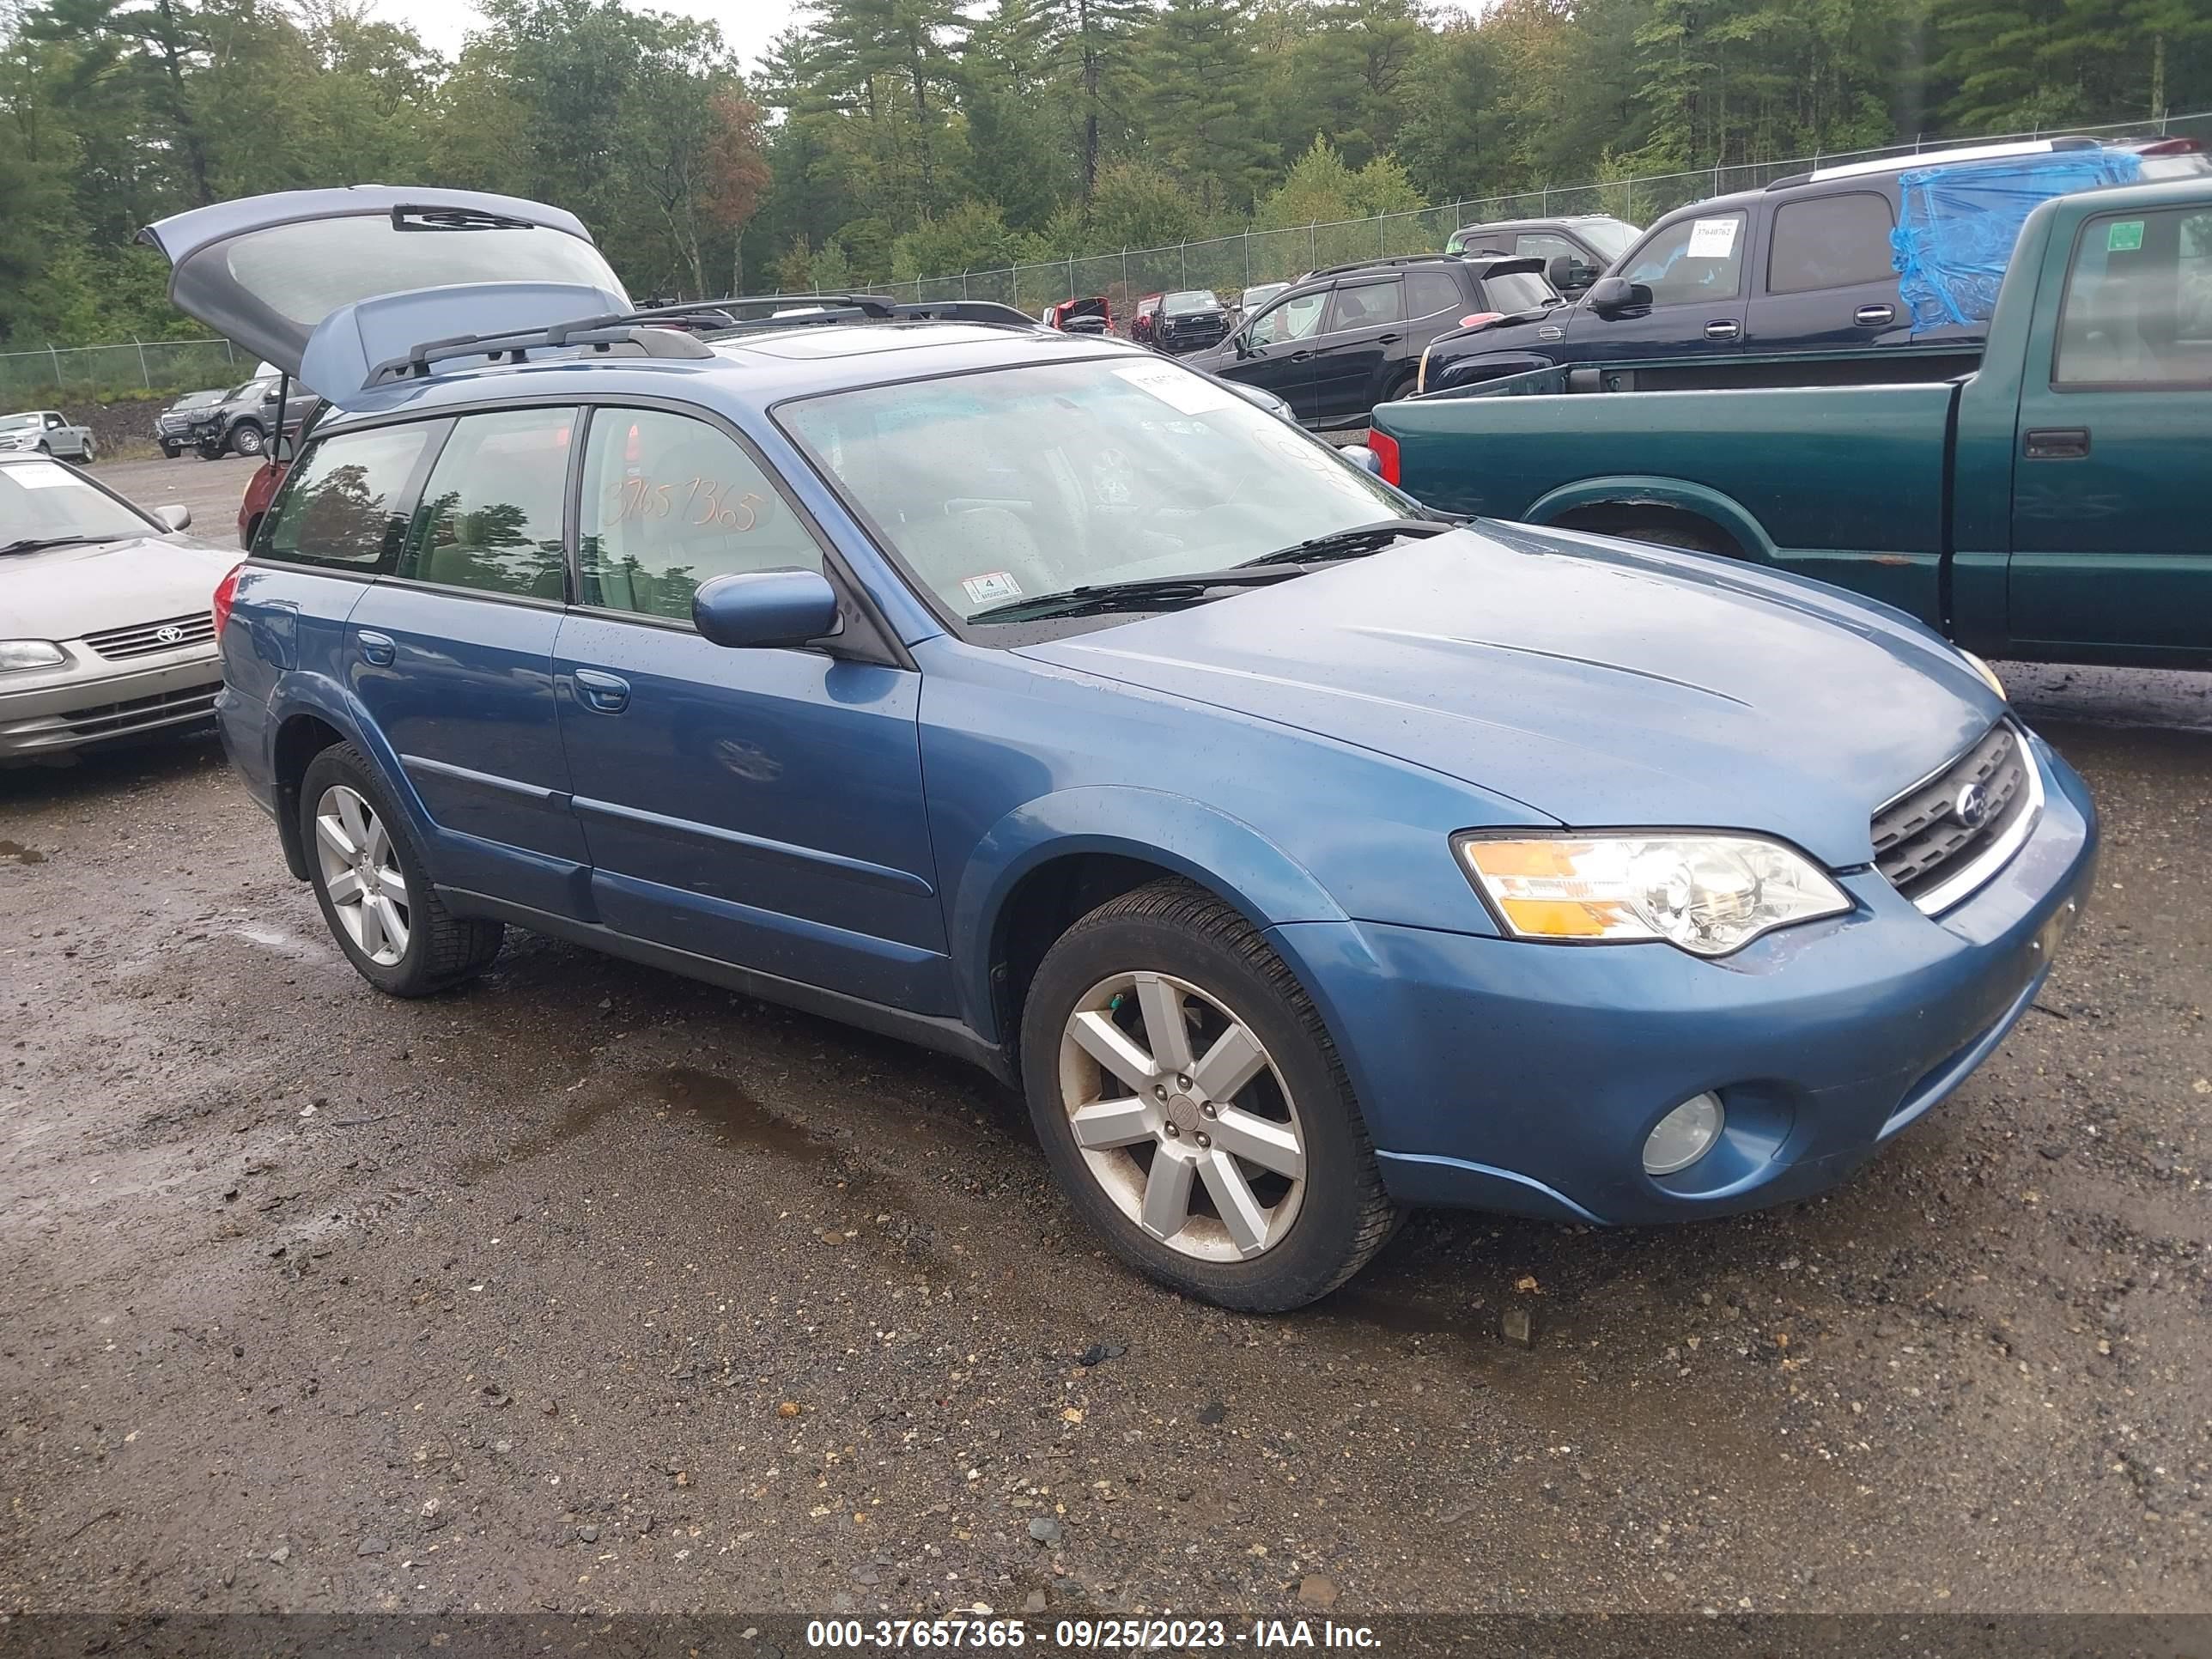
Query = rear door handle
x=378 y=649
x=1389 y=339
x=1874 y=316
x=1723 y=331
x=2057 y=443
x=602 y=693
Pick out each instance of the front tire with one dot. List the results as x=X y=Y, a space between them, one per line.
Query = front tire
x=246 y=438
x=374 y=891
x=170 y=451
x=1194 y=1107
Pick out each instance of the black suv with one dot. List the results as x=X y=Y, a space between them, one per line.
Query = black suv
x=1588 y=242
x=1809 y=264
x=1340 y=341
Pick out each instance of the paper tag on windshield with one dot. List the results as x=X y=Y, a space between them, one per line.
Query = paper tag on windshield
x=41 y=475
x=1178 y=388
x=992 y=587
x=1712 y=238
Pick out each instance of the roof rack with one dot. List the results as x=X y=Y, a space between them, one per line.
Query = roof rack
x=1936 y=158
x=672 y=331
x=1392 y=259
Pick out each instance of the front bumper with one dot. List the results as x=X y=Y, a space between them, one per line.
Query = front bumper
x=1524 y=1078
x=88 y=700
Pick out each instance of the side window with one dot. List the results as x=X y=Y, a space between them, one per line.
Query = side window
x=1543 y=245
x=2138 y=307
x=491 y=514
x=54 y=421
x=1830 y=241
x=1428 y=293
x=340 y=506
x=669 y=503
x=1293 y=320
x=1366 y=305
x=1692 y=261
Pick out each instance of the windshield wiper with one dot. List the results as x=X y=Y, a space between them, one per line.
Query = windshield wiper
x=34 y=543
x=1351 y=544
x=1154 y=592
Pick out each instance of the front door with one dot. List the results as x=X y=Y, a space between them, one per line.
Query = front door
x=2111 y=551
x=1694 y=268
x=452 y=655
x=1362 y=333
x=760 y=807
x=1276 y=350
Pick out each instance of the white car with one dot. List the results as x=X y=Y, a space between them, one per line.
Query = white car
x=45 y=432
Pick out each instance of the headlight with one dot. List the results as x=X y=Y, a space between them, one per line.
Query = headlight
x=1709 y=894
x=30 y=653
x=1989 y=674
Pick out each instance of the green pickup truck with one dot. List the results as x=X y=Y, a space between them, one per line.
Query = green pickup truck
x=2055 y=504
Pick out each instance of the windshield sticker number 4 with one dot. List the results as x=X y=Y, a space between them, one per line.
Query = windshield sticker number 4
x=992 y=587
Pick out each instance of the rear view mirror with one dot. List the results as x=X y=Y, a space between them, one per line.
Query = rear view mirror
x=761 y=609
x=174 y=516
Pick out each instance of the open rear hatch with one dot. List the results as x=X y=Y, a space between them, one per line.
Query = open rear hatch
x=268 y=271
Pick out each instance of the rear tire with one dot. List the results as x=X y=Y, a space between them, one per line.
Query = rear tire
x=89 y=455
x=374 y=888
x=1230 y=1162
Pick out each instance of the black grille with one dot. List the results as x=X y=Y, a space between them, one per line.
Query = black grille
x=171 y=634
x=114 y=720
x=1923 y=837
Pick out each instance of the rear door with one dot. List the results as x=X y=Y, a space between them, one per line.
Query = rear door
x=451 y=653
x=760 y=807
x=1829 y=280
x=1362 y=334
x=2110 y=553
x=1695 y=269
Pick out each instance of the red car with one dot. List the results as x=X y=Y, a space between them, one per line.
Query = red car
x=261 y=488
x=1090 y=316
x=1146 y=322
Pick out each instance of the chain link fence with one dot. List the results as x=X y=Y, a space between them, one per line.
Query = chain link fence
x=1230 y=264
x=1226 y=264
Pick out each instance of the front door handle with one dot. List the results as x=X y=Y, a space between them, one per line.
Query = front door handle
x=2057 y=443
x=378 y=649
x=1723 y=331
x=1300 y=356
x=602 y=692
x=1388 y=339
x=1874 y=316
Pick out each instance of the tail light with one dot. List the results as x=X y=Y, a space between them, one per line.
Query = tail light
x=1385 y=449
x=1476 y=319
x=226 y=595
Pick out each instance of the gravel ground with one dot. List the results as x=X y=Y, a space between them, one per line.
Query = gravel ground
x=592 y=1289
x=211 y=488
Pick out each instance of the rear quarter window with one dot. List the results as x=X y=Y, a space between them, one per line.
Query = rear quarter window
x=345 y=503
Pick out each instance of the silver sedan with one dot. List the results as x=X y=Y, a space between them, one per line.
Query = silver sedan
x=105 y=630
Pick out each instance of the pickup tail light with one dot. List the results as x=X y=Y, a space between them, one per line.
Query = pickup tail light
x=226 y=595
x=1477 y=319
x=1384 y=448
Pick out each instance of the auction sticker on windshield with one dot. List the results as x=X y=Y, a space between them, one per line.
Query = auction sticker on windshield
x=991 y=587
x=1178 y=388
x=42 y=475
x=1712 y=238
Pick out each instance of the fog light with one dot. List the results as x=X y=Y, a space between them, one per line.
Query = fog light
x=1684 y=1135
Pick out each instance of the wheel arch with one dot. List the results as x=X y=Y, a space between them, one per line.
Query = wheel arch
x=1056 y=859
x=308 y=717
x=1660 y=497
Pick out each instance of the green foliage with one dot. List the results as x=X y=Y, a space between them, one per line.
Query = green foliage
x=884 y=139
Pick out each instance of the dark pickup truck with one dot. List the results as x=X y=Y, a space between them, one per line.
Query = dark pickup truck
x=2049 y=506
x=1906 y=253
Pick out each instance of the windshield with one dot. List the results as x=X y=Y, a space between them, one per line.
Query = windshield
x=1182 y=305
x=1517 y=290
x=1610 y=237
x=1022 y=482
x=40 y=500
x=18 y=423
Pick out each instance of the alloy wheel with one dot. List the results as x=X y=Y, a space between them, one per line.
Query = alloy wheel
x=1181 y=1116
x=361 y=875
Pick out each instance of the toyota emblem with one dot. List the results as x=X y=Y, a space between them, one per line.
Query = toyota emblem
x=1971 y=808
x=168 y=633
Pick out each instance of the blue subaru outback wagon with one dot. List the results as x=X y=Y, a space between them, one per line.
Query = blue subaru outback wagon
x=1301 y=856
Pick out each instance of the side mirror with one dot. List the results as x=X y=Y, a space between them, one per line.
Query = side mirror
x=1609 y=294
x=1362 y=458
x=766 y=608
x=174 y=516
x=1560 y=272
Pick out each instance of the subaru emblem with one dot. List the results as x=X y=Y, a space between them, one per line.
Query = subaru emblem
x=1971 y=808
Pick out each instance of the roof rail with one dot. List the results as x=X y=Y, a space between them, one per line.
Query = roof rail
x=1369 y=264
x=1936 y=158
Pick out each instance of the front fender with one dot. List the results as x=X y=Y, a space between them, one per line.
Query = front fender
x=1187 y=836
x=1634 y=490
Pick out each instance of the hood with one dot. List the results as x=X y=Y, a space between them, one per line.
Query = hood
x=1600 y=682
x=66 y=592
